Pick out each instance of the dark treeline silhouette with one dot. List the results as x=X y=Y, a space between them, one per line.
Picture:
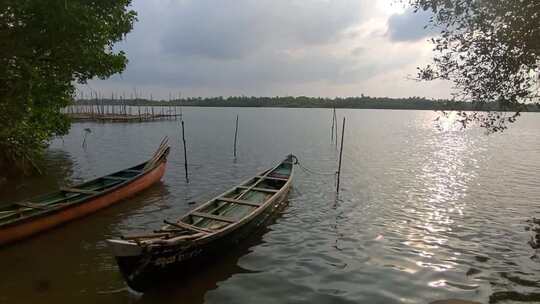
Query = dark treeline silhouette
x=362 y=102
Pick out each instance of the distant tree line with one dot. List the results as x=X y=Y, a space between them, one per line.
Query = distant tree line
x=361 y=102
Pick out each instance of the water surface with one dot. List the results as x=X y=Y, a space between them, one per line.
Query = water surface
x=425 y=212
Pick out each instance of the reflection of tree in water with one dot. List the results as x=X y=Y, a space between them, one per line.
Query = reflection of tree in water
x=528 y=288
x=57 y=170
x=534 y=227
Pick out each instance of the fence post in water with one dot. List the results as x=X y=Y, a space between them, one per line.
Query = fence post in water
x=235 y=135
x=335 y=127
x=340 y=155
x=92 y=110
x=333 y=124
x=185 y=152
x=112 y=104
x=169 y=108
x=102 y=104
x=151 y=107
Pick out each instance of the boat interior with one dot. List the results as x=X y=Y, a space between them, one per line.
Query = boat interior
x=230 y=207
x=66 y=195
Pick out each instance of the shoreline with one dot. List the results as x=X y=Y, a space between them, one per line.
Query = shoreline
x=533 y=109
x=362 y=102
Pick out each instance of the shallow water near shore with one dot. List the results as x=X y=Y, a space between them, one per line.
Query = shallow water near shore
x=425 y=212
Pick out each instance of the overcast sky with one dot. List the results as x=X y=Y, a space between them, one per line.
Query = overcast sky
x=274 y=48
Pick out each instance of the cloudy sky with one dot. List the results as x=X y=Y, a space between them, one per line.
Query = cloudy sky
x=274 y=48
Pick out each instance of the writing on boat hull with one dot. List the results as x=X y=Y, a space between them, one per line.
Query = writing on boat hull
x=163 y=261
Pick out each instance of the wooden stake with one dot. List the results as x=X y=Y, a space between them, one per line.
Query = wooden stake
x=333 y=124
x=185 y=152
x=169 y=107
x=235 y=135
x=336 y=128
x=340 y=155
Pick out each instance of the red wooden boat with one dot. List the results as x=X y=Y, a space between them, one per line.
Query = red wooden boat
x=23 y=219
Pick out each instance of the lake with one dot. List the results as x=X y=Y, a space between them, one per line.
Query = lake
x=426 y=211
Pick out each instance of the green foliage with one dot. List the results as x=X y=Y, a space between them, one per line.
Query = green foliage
x=46 y=47
x=490 y=49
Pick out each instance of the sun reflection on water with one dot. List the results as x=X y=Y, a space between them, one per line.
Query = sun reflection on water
x=435 y=196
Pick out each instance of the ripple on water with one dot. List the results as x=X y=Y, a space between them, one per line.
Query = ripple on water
x=424 y=213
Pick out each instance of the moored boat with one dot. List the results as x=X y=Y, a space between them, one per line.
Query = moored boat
x=23 y=219
x=204 y=233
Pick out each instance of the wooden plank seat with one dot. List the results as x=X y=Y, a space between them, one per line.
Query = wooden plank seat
x=238 y=202
x=31 y=205
x=187 y=226
x=133 y=171
x=117 y=178
x=65 y=198
x=213 y=217
x=144 y=236
x=275 y=174
x=259 y=189
x=273 y=178
x=76 y=190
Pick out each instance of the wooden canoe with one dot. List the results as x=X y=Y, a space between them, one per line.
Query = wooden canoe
x=23 y=219
x=204 y=233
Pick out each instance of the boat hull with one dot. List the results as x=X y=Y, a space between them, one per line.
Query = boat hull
x=143 y=272
x=60 y=216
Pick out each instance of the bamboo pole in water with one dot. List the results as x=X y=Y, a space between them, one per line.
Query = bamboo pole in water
x=235 y=135
x=333 y=124
x=335 y=127
x=152 y=106
x=112 y=102
x=185 y=152
x=340 y=155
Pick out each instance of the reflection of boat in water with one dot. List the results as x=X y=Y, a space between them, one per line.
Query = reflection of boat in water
x=204 y=233
x=23 y=219
x=195 y=288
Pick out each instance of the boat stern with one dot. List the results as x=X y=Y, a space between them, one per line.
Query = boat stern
x=123 y=248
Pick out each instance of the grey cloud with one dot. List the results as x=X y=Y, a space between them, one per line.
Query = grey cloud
x=207 y=43
x=241 y=27
x=203 y=28
x=264 y=68
x=409 y=26
x=358 y=51
x=248 y=47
